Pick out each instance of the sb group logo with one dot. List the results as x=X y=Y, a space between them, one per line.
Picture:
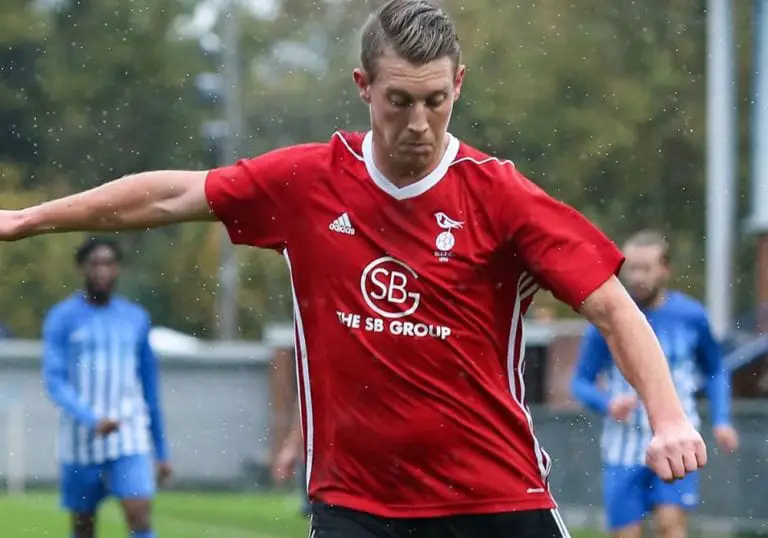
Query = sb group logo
x=384 y=284
x=388 y=287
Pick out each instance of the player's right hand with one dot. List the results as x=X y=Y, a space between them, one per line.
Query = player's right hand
x=163 y=471
x=284 y=464
x=676 y=450
x=621 y=406
x=106 y=426
x=10 y=225
x=727 y=438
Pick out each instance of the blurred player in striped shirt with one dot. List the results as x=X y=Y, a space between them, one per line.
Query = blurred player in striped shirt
x=100 y=371
x=630 y=488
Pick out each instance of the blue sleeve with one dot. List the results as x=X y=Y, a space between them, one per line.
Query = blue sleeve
x=717 y=382
x=150 y=381
x=594 y=356
x=55 y=378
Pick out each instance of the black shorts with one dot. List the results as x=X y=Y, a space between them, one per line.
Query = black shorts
x=337 y=522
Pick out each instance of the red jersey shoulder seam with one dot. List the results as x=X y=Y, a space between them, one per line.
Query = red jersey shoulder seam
x=482 y=161
x=346 y=144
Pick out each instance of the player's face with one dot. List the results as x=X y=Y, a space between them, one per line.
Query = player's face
x=101 y=270
x=410 y=109
x=645 y=272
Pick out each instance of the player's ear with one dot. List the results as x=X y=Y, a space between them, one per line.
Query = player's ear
x=666 y=269
x=363 y=83
x=458 y=81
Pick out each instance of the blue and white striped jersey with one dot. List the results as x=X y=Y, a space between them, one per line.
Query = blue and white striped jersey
x=682 y=326
x=97 y=363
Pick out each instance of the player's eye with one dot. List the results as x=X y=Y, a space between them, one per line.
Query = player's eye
x=436 y=100
x=399 y=101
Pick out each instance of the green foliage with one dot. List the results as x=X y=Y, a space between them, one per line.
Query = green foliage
x=36 y=272
x=603 y=105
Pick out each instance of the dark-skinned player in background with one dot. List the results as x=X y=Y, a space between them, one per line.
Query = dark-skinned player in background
x=100 y=371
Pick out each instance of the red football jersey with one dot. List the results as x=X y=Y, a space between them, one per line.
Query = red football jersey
x=409 y=305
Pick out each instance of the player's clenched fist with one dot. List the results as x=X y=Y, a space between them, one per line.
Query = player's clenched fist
x=675 y=451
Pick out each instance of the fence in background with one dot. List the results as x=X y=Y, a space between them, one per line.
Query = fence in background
x=217 y=405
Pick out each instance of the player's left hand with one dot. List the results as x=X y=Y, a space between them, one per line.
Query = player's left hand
x=676 y=450
x=164 y=472
x=285 y=463
x=727 y=438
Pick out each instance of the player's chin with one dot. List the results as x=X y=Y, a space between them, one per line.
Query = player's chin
x=416 y=157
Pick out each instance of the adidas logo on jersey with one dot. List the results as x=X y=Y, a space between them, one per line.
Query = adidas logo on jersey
x=342 y=225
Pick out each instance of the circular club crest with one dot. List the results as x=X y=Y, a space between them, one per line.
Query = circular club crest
x=445 y=241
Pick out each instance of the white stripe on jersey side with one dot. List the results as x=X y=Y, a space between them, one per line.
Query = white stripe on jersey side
x=525 y=281
x=515 y=371
x=560 y=523
x=301 y=354
x=541 y=456
x=527 y=287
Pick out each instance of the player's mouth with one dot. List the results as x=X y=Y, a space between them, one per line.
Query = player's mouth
x=418 y=147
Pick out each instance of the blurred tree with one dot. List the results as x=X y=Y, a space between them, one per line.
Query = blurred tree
x=23 y=31
x=104 y=90
x=36 y=272
x=603 y=106
x=119 y=91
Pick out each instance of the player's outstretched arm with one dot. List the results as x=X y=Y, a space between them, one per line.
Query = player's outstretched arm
x=635 y=349
x=677 y=448
x=135 y=202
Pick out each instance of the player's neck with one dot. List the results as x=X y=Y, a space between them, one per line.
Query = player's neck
x=660 y=298
x=97 y=298
x=399 y=176
x=656 y=301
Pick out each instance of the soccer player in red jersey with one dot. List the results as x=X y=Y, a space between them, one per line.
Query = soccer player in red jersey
x=413 y=258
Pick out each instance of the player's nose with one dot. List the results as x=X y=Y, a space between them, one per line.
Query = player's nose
x=417 y=122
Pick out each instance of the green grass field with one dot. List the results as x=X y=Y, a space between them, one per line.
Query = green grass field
x=176 y=515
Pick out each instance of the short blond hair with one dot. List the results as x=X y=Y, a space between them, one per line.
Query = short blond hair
x=418 y=31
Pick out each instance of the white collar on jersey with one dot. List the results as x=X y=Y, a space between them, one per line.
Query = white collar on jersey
x=414 y=189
